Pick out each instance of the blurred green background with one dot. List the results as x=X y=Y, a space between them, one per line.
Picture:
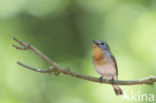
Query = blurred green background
x=64 y=30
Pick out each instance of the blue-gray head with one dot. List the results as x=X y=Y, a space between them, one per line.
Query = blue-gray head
x=101 y=44
x=104 y=47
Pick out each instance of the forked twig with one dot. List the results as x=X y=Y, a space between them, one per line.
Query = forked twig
x=58 y=69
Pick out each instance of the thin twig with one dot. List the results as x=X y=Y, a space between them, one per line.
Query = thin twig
x=50 y=70
x=58 y=69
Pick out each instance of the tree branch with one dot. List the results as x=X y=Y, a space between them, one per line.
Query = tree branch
x=58 y=69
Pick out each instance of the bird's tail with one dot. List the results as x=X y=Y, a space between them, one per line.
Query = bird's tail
x=117 y=90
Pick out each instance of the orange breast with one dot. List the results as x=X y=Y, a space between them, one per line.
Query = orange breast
x=99 y=58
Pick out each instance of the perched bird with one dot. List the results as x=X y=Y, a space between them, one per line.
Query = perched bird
x=105 y=63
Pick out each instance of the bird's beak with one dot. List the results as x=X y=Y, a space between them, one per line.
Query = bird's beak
x=95 y=42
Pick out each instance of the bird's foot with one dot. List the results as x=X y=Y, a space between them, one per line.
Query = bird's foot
x=100 y=79
x=112 y=80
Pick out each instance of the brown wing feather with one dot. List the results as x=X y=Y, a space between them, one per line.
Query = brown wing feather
x=115 y=64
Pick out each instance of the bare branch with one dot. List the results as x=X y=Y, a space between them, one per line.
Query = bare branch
x=28 y=46
x=58 y=69
x=50 y=70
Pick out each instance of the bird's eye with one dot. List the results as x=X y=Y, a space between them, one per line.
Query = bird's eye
x=102 y=43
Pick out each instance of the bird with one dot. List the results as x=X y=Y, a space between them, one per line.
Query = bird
x=105 y=63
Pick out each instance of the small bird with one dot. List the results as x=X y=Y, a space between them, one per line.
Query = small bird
x=105 y=63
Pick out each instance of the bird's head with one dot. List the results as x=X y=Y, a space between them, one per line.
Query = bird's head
x=101 y=44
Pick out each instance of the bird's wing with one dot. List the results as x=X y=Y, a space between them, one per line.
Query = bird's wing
x=115 y=64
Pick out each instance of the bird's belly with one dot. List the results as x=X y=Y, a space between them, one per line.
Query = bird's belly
x=107 y=70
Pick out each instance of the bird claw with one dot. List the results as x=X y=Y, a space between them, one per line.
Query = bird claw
x=100 y=79
x=112 y=80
